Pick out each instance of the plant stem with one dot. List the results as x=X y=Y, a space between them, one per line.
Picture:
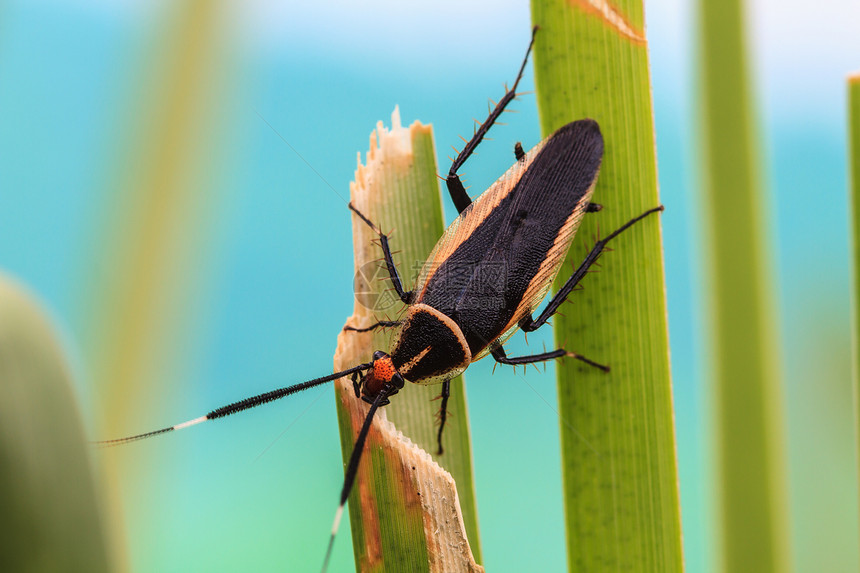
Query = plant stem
x=618 y=445
x=397 y=521
x=748 y=403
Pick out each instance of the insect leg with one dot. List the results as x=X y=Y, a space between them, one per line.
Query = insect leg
x=518 y=151
x=455 y=186
x=443 y=413
x=502 y=358
x=380 y=324
x=528 y=324
x=405 y=296
x=357 y=380
x=352 y=468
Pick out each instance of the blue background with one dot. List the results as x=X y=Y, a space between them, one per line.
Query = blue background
x=266 y=274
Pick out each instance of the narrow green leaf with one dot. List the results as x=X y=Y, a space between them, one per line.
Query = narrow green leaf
x=747 y=399
x=396 y=521
x=617 y=436
x=50 y=516
x=854 y=192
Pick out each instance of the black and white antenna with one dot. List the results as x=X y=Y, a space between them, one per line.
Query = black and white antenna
x=239 y=406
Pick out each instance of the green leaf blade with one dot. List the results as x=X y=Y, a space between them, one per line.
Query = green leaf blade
x=854 y=196
x=747 y=398
x=617 y=429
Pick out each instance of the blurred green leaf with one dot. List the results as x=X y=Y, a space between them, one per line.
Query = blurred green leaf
x=50 y=518
x=747 y=398
x=854 y=192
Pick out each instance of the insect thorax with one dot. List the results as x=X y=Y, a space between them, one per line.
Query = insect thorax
x=429 y=347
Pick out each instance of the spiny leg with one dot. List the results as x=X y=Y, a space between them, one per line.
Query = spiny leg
x=443 y=413
x=380 y=324
x=405 y=296
x=500 y=356
x=455 y=186
x=357 y=380
x=528 y=324
x=518 y=151
x=381 y=399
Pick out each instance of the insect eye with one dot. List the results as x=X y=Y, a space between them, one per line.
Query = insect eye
x=378 y=354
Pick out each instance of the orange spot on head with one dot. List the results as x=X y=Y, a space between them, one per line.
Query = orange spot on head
x=382 y=372
x=384 y=369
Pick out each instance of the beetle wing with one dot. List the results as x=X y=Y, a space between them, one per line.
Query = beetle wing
x=497 y=261
x=460 y=235
x=541 y=283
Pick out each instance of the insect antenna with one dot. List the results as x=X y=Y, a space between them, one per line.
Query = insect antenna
x=352 y=468
x=239 y=406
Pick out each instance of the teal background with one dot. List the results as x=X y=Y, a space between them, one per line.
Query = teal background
x=272 y=280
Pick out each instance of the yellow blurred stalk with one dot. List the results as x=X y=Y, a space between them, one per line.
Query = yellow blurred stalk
x=153 y=231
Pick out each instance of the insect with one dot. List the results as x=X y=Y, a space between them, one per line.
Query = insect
x=482 y=282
